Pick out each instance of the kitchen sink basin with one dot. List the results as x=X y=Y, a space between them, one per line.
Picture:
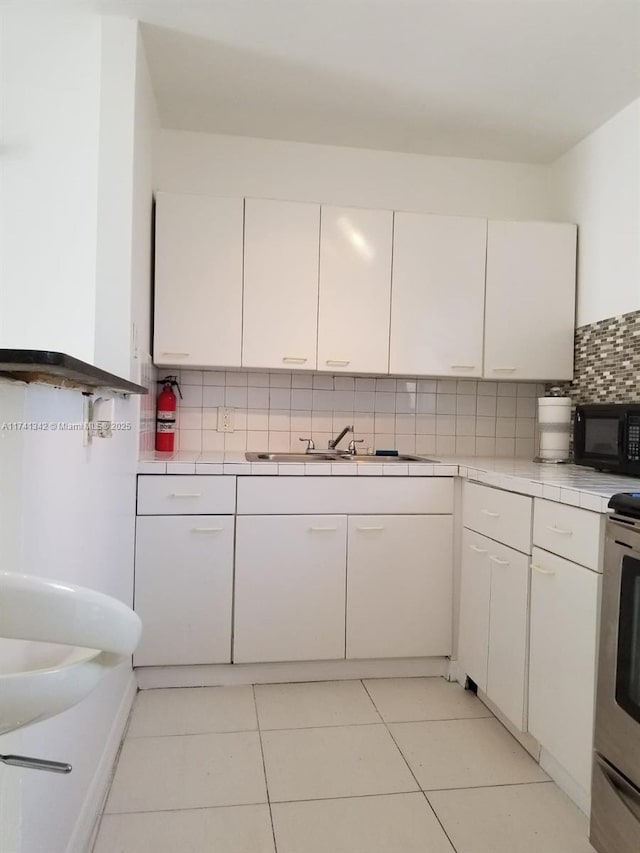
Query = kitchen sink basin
x=332 y=457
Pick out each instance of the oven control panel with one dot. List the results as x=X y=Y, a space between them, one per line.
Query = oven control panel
x=633 y=438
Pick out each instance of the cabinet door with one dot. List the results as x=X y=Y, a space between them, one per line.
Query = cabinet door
x=281 y=248
x=437 y=296
x=355 y=290
x=198 y=281
x=290 y=588
x=183 y=589
x=508 y=631
x=530 y=302
x=475 y=597
x=562 y=661
x=399 y=586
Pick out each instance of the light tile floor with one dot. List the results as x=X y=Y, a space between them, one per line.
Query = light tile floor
x=399 y=765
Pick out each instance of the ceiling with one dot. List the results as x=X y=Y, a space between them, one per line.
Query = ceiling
x=519 y=80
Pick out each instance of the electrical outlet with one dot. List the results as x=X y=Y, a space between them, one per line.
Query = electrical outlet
x=225 y=419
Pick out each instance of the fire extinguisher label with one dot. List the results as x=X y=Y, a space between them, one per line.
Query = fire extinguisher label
x=167 y=426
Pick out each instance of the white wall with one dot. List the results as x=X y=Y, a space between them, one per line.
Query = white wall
x=233 y=165
x=50 y=76
x=597 y=185
x=68 y=511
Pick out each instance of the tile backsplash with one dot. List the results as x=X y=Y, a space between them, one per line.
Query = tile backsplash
x=272 y=411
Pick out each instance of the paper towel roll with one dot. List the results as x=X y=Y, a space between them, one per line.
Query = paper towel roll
x=554 y=424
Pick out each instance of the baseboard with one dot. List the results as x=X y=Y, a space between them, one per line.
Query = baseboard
x=273 y=673
x=525 y=740
x=83 y=836
x=565 y=781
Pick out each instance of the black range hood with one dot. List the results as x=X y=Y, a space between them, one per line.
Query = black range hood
x=57 y=368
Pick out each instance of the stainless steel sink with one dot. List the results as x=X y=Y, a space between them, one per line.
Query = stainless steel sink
x=319 y=456
x=294 y=457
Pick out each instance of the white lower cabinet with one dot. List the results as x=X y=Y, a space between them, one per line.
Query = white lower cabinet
x=562 y=663
x=399 y=586
x=290 y=588
x=475 y=602
x=494 y=598
x=183 y=589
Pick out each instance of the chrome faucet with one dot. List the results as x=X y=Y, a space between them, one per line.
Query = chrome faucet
x=334 y=442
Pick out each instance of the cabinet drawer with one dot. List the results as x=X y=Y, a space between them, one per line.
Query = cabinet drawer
x=362 y=495
x=499 y=515
x=185 y=495
x=570 y=532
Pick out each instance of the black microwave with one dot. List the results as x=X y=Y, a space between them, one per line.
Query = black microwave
x=607 y=437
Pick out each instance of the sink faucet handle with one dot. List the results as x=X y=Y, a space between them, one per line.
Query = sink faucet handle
x=352 y=445
x=310 y=444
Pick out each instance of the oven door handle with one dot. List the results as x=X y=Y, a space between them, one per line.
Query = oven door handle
x=629 y=795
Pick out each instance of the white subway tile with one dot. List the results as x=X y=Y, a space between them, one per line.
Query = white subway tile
x=425 y=425
x=445 y=425
x=525 y=427
x=406 y=402
x=280 y=380
x=384 y=441
x=384 y=423
x=344 y=383
x=190 y=377
x=301 y=399
x=406 y=386
x=278 y=442
x=486 y=406
x=213 y=377
x=505 y=446
x=445 y=445
x=236 y=377
x=301 y=423
x=406 y=443
x=426 y=404
x=364 y=422
x=235 y=397
x=323 y=382
x=485 y=426
x=485 y=446
x=525 y=407
x=212 y=440
x=525 y=448
x=343 y=401
x=506 y=407
x=507 y=389
x=279 y=398
x=447 y=386
x=365 y=383
x=427 y=386
x=446 y=404
x=465 y=445
x=257 y=419
x=405 y=425
x=527 y=389
x=235 y=441
x=465 y=426
x=257 y=397
x=364 y=401
x=505 y=427
x=258 y=380
x=213 y=396
x=466 y=386
x=301 y=380
x=322 y=401
x=190 y=439
x=191 y=397
x=487 y=389
x=189 y=419
x=385 y=383
x=466 y=404
x=385 y=401
x=257 y=441
x=279 y=421
x=425 y=444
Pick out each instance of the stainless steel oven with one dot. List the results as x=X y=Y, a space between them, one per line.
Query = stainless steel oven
x=615 y=804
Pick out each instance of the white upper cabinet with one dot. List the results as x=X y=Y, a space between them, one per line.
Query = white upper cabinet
x=355 y=289
x=530 y=302
x=281 y=256
x=437 y=301
x=198 y=281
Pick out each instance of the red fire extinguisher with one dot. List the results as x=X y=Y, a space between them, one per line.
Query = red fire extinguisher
x=166 y=414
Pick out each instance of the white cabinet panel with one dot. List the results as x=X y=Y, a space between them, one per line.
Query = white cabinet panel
x=562 y=661
x=475 y=597
x=437 y=297
x=530 y=300
x=506 y=679
x=289 y=588
x=355 y=289
x=399 y=586
x=198 y=281
x=498 y=514
x=186 y=494
x=183 y=589
x=570 y=532
x=281 y=256
x=389 y=495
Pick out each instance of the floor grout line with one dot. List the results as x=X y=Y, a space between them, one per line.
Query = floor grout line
x=412 y=773
x=264 y=770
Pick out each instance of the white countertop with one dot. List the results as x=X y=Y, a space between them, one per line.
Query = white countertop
x=569 y=484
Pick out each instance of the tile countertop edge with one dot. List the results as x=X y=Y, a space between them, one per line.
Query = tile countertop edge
x=567 y=484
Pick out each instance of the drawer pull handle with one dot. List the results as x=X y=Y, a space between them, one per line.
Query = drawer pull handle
x=207 y=529
x=494 y=559
x=181 y=354
x=490 y=513
x=336 y=362
x=504 y=369
x=540 y=570
x=370 y=528
x=462 y=366
x=185 y=495
x=294 y=359
x=478 y=550
x=322 y=529
x=559 y=530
